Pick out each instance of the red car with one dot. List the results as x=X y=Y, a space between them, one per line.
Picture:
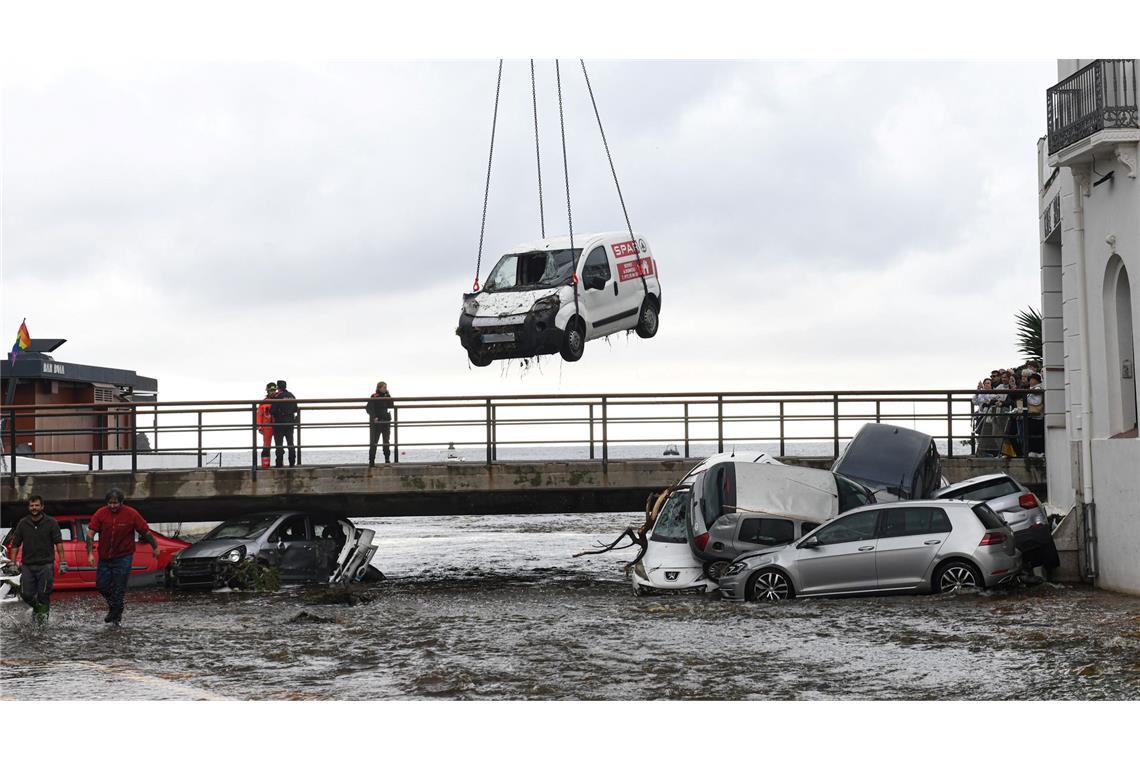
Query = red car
x=145 y=569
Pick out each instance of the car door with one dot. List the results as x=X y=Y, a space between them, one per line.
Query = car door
x=599 y=293
x=844 y=558
x=909 y=540
x=328 y=540
x=295 y=554
x=74 y=553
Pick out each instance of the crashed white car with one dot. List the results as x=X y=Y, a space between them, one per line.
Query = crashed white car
x=528 y=306
x=9 y=577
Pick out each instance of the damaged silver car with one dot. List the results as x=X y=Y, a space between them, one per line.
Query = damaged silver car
x=303 y=547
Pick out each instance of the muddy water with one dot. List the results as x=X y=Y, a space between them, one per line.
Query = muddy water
x=496 y=608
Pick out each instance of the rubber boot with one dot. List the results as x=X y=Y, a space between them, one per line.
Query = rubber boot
x=40 y=613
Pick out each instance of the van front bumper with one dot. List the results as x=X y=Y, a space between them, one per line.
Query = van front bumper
x=534 y=335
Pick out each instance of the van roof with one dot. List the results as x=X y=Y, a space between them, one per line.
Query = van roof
x=562 y=242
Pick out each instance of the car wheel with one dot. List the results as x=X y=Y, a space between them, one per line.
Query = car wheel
x=647 y=320
x=769 y=586
x=573 y=341
x=479 y=360
x=955 y=576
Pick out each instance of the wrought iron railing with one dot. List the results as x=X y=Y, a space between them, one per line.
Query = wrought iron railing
x=1100 y=96
x=1051 y=216
x=491 y=428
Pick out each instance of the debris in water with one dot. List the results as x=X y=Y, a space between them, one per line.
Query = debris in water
x=305 y=617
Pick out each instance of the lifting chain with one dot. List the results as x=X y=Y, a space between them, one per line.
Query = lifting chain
x=537 y=154
x=605 y=143
x=487 y=187
x=566 y=174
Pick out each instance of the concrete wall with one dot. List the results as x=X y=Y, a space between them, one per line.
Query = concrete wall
x=1116 y=484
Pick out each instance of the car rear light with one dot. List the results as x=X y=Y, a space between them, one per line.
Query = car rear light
x=1028 y=501
x=702 y=541
x=993 y=537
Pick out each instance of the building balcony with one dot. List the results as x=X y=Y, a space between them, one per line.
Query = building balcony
x=1092 y=111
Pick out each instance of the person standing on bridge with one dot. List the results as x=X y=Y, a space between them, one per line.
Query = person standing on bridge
x=116 y=523
x=284 y=420
x=37 y=534
x=379 y=422
x=265 y=423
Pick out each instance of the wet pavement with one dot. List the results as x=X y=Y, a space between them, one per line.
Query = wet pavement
x=496 y=608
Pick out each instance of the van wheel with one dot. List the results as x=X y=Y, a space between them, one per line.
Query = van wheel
x=479 y=360
x=769 y=586
x=954 y=576
x=573 y=341
x=647 y=320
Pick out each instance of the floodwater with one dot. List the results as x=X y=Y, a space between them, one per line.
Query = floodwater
x=497 y=608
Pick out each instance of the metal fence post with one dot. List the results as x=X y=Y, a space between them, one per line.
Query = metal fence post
x=395 y=435
x=720 y=424
x=835 y=423
x=494 y=433
x=12 y=437
x=591 y=430
x=134 y=440
x=488 y=422
x=298 y=437
x=605 y=437
x=781 y=428
x=253 y=438
x=686 y=430
x=949 y=425
x=200 y=435
x=878 y=411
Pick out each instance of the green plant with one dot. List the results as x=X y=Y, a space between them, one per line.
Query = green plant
x=1029 y=334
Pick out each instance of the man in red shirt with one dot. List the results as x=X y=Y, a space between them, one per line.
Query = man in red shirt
x=116 y=523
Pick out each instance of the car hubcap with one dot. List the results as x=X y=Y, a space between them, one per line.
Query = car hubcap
x=955 y=578
x=575 y=341
x=649 y=320
x=771 y=587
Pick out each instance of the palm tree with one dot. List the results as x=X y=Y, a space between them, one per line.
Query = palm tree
x=1029 y=334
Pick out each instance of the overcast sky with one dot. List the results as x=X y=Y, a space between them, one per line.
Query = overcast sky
x=818 y=225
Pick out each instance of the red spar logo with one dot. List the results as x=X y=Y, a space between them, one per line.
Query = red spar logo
x=628 y=248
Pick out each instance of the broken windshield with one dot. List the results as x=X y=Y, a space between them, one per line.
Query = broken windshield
x=670 y=525
x=530 y=271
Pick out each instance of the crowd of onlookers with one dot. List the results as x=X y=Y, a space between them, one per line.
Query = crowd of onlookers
x=1011 y=423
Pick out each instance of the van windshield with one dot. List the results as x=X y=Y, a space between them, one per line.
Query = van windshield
x=530 y=271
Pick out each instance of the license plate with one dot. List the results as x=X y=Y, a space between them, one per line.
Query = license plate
x=499 y=338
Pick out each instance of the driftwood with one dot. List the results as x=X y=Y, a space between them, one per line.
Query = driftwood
x=637 y=536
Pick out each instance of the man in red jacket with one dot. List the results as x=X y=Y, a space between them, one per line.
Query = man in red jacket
x=116 y=523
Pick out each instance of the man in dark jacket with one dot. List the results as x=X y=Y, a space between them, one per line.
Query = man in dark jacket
x=116 y=523
x=37 y=534
x=284 y=420
x=379 y=422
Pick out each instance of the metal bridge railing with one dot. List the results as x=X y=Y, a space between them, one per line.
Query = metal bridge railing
x=149 y=435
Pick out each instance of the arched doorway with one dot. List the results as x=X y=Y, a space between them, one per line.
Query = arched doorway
x=1120 y=351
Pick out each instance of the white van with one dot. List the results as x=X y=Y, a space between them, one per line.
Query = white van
x=527 y=306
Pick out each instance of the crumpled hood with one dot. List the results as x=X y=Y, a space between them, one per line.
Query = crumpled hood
x=214 y=547
x=510 y=302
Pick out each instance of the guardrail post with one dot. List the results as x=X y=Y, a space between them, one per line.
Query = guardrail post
x=878 y=411
x=494 y=433
x=395 y=435
x=686 y=430
x=605 y=437
x=253 y=458
x=591 y=431
x=12 y=437
x=298 y=436
x=134 y=439
x=781 y=428
x=835 y=423
x=200 y=435
x=949 y=426
x=488 y=421
x=720 y=424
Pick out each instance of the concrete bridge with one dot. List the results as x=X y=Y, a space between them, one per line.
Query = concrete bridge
x=446 y=488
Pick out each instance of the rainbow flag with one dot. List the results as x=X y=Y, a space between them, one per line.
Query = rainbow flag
x=23 y=340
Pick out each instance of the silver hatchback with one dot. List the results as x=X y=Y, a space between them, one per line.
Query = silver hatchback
x=916 y=546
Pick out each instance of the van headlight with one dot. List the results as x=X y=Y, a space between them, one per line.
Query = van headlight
x=470 y=307
x=547 y=303
x=233 y=555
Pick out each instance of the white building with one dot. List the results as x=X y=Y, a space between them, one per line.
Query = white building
x=1090 y=292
